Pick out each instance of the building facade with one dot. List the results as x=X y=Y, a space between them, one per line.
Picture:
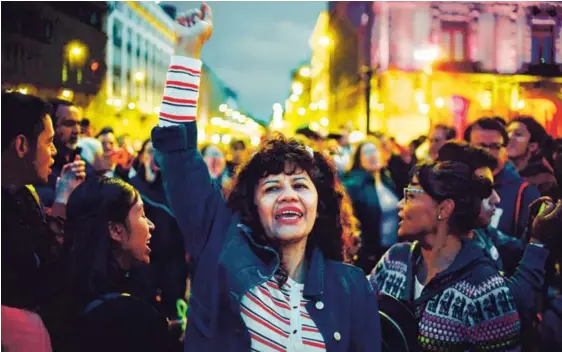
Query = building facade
x=446 y=62
x=139 y=44
x=54 y=49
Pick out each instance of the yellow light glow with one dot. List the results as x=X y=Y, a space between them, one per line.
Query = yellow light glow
x=313 y=106
x=109 y=101
x=486 y=99
x=324 y=121
x=125 y=122
x=426 y=55
x=156 y=110
x=297 y=88
x=419 y=97
x=277 y=107
x=324 y=40
x=22 y=90
x=66 y=93
x=215 y=138
x=139 y=76
x=226 y=139
x=322 y=105
x=223 y=107
x=242 y=118
x=301 y=111
x=439 y=102
x=216 y=121
x=294 y=98
x=76 y=51
x=314 y=126
x=131 y=106
x=255 y=141
x=118 y=103
x=305 y=72
x=356 y=137
x=521 y=104
x=424 y=108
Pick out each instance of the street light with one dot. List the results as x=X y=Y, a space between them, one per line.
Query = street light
x=304 y=71
x=324 y=40
x=297 y=88
x=77 y=52
x=139 y=76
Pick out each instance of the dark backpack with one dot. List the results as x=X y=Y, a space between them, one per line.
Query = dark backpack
x=399 y=326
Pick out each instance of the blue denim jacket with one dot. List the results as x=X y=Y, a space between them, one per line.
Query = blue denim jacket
x=227 y=264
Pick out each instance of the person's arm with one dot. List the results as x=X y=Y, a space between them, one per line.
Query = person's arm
x=530 y=194
x=197 y=203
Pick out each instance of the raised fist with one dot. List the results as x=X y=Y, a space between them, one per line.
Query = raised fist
x=193 y=29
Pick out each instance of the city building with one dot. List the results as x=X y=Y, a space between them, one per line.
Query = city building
x=447 y=62
x=54 y=49
x=140 y=40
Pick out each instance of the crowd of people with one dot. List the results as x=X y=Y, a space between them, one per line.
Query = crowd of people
x=300 y=244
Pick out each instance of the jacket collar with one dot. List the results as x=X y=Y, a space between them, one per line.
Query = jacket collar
x=314 y=284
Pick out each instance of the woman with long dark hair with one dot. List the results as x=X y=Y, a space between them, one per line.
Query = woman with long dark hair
x=461 y=301
x=268 y=261
x=106 y=235
x=375 y=202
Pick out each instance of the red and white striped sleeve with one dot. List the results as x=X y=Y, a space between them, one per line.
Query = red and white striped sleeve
x=181 y=92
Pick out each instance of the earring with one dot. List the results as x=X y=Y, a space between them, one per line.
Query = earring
x=439 y=217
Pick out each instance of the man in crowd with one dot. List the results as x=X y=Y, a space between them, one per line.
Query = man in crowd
x=66 y=122
x=237 y=151
x=30 y=238
x=512 y=213
x=113 y=156
x=438 y=136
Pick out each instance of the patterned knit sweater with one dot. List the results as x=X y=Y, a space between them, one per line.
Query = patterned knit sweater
x=466 y=307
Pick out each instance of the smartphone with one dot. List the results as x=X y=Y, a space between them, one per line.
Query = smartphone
x=543 y=207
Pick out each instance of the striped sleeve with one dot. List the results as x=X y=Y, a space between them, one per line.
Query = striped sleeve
x=179 y=103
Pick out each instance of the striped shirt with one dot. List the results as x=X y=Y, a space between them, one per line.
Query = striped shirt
x=277 y=319
x=179 y=103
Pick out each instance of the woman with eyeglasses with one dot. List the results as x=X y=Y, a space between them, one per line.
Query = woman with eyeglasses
x=461 y=301
x=375 y=203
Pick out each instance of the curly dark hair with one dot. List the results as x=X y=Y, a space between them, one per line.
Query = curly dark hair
x=455 y=181
x=334 y=226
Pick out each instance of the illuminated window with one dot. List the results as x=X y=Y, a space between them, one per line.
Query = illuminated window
x=542 y=44
x=454 y=40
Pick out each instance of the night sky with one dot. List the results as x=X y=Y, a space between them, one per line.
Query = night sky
x=255 y=45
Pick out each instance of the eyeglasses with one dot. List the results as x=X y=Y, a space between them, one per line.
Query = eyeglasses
x=408 y=191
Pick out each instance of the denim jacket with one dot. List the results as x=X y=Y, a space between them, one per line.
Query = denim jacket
x=227 y=262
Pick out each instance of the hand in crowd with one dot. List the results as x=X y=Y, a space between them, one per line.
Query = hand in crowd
x=194 y=28
x=104 y=161
x=546 y=224
x=72 y=175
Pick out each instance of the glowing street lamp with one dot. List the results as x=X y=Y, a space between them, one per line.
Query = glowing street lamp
x=304 y=71
x=297 y=88
x=324 y=40
x=139 y=76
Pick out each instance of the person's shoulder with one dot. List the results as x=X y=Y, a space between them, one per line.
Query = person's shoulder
x=485 y=280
